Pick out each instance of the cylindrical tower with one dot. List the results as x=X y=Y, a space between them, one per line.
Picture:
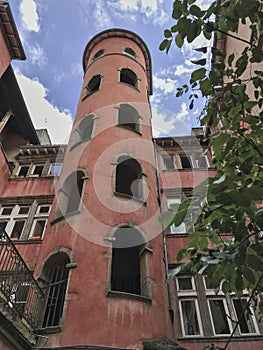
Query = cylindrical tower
x=102 y=255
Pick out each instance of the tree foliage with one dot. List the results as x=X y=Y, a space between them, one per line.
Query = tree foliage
x=233 y=86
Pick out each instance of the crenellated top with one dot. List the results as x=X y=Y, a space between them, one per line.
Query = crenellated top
x=120 y=33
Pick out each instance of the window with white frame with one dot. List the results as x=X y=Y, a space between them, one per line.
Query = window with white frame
x=37 y=169
x=13 y=219
x=220 y=312
x=55 y=168
x=188 y=306
x=168 y=162
x=40 y=221
x=170 y=201
x=23 y=170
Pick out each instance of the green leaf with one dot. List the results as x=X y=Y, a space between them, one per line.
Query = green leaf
x=193 y=31
x=201 y=49
x=163 y=44
x=167 y=33
x=196 y=11
x=230 y=59
x=181 y=254
x=198 y=74
x=179 y=40
x=174 y=272
x=166 y=218
x=254 y=262
x=201 y=62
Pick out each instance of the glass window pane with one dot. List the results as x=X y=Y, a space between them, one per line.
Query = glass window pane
x=219 y=316
x=23 y=170
x=168 y=162
x=43 y=209
x=39 y=228
x=38 y=170
x=17 y=229
x=23 y=210
x=55 y=169
x=185 y=283
x=246 y=323
x=189 y=315
x=3 y=224
x=185 y=161
x=6 y=210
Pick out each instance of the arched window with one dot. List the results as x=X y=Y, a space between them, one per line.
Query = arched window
x=84 y=130
x=98 y=54
x=55 y=276
x=129 y=177
x=69 y=195
x=93 y=85
x=129 y=117
x=129 y=77
x=129 y=51
x=128 y=268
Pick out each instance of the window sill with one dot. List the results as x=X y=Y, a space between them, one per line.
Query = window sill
x=49 y=330
x=218 y=338
x=118 y=294
x=128 y=196
x=128 y=128
x=62 y=217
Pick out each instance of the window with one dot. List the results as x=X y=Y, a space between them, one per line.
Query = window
x=93 y=85
x=129 y=117
x=98 y=54
x=127 y=76
x=69 y=197
x=129 y=177
x=168 y=162
x=186 y=161
x=173 y=228
x=84 y=130
x=55 y=169
x=219 y=316
x=23 y=170
x=13 y=219
x=37 y=170
x=40 y=221
x=129 y=262
x=129 y=51
x=201 y=161
x=55 y=275
x=188 y=305
x=223 y=310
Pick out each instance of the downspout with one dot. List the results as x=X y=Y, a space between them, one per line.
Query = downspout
x=171 y=313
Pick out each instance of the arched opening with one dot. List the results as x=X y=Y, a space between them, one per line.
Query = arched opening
x=126 y=268
x=129 y=177
x=69 y=196
x=55 y=276
x=129 y=77
x=93 y=85
x=99 y=54
x=129 y=51
x=84 y=130
x=129 y=117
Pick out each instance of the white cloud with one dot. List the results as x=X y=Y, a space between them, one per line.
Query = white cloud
x=183 y=113
x=131 y=5
x=167 y=123
x=30 y=19
x=181 y=69
x=167 y=85
x=37 y=55
x=42 y=112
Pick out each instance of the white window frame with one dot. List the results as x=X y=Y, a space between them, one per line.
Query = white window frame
x=39 y=217
x=21 y=166
x=164 y=167
x=181 y=229
x=194 y=299
x=31 y=173
x=13 y=217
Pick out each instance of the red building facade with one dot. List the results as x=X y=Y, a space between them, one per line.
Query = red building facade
x=83 y=259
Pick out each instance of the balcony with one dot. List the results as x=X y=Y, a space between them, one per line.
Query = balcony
x=21 y=297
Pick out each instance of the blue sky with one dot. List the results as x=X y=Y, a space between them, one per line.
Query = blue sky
x=54 y=34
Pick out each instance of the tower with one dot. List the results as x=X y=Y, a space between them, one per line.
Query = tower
x=101 y=260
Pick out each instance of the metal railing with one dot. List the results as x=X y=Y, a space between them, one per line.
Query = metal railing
x=19 y=291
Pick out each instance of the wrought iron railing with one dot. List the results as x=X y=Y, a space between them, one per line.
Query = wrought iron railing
x=19 y=291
